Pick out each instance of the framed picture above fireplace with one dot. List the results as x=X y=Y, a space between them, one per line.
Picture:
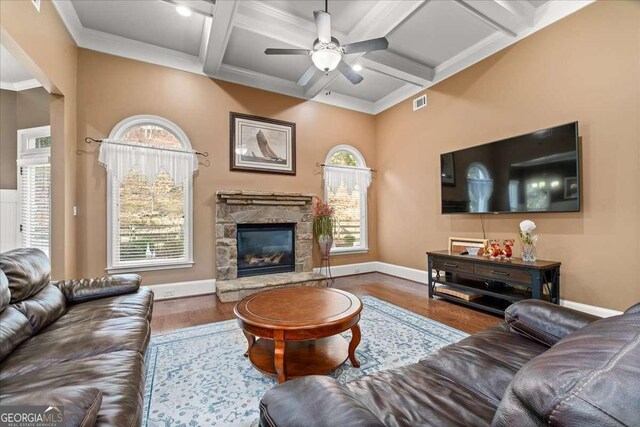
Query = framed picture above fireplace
x=260 y=144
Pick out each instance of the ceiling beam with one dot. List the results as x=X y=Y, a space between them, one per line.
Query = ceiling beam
x=381 y=20
x=399 y=67
x=508 y=20
x=221 y=26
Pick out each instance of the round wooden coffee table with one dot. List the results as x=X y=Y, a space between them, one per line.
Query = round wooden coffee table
x=297 y=330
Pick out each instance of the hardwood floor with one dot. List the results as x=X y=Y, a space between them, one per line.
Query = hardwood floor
x=174 y=314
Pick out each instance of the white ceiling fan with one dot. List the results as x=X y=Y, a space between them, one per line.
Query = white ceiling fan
x=327 y=52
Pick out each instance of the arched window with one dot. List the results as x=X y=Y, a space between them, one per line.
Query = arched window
x=350 y=204
x=149 y=220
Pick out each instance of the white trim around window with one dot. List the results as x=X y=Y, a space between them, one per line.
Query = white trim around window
x=364 y=223
x=113 y=198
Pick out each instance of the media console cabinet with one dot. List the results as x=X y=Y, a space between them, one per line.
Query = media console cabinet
x=491 y=285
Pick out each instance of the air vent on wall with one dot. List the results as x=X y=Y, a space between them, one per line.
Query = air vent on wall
x=420 y=102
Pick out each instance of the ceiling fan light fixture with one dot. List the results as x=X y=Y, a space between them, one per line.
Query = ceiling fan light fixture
x=183 y=11
x=326 y=59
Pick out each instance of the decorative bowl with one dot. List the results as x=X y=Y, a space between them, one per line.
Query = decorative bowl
x=473 y=250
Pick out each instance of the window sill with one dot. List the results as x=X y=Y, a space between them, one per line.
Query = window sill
x=147 y=267
x=349 y=251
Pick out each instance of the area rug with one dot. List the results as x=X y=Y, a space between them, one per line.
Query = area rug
x=199 y=376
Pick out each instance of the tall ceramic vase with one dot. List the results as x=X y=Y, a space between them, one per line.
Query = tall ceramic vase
x=326 y=242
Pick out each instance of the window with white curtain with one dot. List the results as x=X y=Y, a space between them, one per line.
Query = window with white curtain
x=34 y=187
x=346 y=181
x=149 y=195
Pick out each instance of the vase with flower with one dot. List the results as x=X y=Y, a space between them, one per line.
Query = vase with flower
x=323 y=225
x=529 y=238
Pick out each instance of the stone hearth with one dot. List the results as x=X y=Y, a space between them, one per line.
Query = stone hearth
x=257 y=207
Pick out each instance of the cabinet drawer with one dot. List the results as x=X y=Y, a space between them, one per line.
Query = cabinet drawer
x=503 y=273
x=453 y=265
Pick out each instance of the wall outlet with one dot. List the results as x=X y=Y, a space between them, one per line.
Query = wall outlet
x=169 y=293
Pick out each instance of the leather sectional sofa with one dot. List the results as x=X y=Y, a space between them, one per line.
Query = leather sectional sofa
x=77 y=343
x=546 y=365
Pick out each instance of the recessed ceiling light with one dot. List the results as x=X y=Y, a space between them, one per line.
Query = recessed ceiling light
x=357 y=67
x=183 y=10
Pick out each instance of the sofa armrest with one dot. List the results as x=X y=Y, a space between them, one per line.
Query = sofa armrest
x=545 y=322
x=81 y=290
x=317 y=401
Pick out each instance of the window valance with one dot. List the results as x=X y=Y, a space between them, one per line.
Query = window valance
x=120 y=158
x=349 y=176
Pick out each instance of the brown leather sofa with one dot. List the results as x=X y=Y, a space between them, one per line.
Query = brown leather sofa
x=546 y=365
x=77 y=343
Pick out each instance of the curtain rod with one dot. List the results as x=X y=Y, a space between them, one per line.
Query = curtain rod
x=89 y=140
x=346 y=167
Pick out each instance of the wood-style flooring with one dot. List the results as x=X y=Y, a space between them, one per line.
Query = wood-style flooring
x=174 y=314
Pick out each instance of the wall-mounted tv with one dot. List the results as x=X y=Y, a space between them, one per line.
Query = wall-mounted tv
x=536 y=172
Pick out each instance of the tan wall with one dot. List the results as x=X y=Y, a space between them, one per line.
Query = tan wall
x=586 y=68
x=112 y=88
x=8 y=140
x=18 y=110
x=32 y=108
x=41 y=42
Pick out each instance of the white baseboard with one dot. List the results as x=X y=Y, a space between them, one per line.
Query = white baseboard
x=351 y=269
x=591 y=309
x=183 y=289
x=208 y=286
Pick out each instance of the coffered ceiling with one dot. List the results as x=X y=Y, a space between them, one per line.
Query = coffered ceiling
x=428 y=40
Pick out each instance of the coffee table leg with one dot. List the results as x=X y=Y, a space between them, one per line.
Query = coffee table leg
x=250 y=341
x=279 y=360
x=353 y=344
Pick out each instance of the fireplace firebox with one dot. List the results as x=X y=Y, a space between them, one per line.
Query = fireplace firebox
x=266 y=249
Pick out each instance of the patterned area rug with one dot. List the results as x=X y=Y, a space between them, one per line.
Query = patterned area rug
x=199 y=376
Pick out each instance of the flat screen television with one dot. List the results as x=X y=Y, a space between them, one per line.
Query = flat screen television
x=536 y=172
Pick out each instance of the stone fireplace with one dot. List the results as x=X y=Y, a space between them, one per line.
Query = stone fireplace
x=263 y=240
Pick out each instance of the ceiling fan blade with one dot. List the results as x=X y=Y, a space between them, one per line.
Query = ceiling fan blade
x=272 y=51
x=307 y=76
x=366 y=46
x=323 y=25
x=349 y=73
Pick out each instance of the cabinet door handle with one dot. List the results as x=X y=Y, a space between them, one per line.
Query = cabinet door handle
x=446 y=264
x=499 y=273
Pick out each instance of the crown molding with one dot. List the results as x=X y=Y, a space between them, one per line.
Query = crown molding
x=551 y=13
x=18 y=86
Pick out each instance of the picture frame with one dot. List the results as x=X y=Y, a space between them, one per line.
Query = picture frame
x=260 y=144
x=571 y=188
x=460 y=244
x=447 y=170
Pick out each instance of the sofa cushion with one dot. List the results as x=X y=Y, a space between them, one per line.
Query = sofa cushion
x=485 y=362
x=139 y=305
x=5 y=295
x=588 y=378
x=28 y=271
x=77 y=341
x=414 y=395
x=43 y=308
x=14 y=330
x=118 y=375
x=80 y=404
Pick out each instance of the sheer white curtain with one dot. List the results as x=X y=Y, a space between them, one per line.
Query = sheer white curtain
x=350 y=177
x=120 y=158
